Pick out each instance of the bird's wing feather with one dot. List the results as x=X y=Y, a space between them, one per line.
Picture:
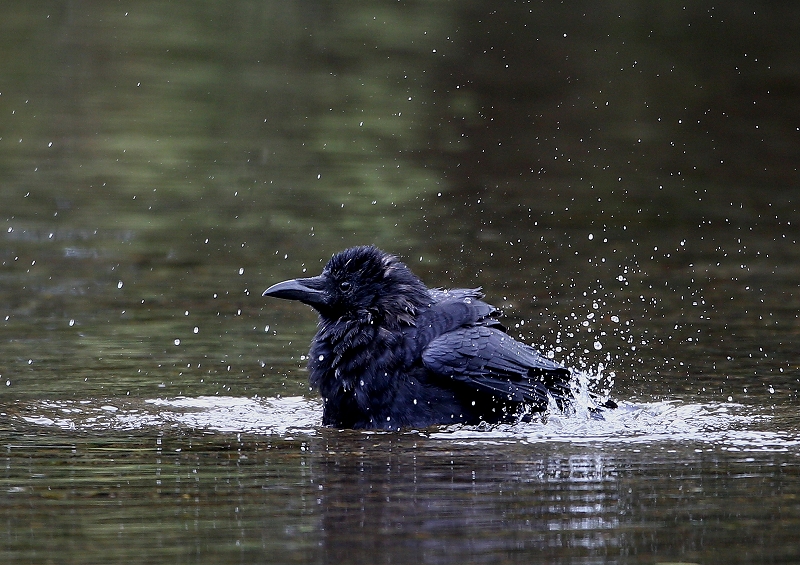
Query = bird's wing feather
x=453 y=309
x=485 y=358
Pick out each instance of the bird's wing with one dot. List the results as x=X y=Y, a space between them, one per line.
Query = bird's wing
x=490 y=360
x=453 y=309
x=441 y=294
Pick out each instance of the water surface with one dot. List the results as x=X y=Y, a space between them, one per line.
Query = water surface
x=621 y=180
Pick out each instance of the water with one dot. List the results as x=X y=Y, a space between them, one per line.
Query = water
x=173 y=480
x=622 y=182
x=725 y=426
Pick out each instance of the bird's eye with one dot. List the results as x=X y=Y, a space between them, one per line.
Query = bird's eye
x=344 y=286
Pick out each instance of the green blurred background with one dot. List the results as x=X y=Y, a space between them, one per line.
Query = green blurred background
x=161 y=163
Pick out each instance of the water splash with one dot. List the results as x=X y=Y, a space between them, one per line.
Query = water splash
x=270 y=416
x=727 y=426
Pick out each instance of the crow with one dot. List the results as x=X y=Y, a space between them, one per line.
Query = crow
x=390 y=353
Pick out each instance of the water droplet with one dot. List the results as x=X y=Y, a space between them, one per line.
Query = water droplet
x=598 y=346
x=119 y=284
x=196 y=329
x=177 y=342
x=71 y=323
x=266 y=328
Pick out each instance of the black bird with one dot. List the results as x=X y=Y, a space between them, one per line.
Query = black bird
x=390 y=353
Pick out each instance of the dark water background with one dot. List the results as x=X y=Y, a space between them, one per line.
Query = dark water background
x=622 y=178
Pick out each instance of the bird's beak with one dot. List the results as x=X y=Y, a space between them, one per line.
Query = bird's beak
x=309 y=291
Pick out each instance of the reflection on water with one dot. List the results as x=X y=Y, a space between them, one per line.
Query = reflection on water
x=161 y=481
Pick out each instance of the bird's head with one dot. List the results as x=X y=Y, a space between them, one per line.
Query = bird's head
x=359 y=279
